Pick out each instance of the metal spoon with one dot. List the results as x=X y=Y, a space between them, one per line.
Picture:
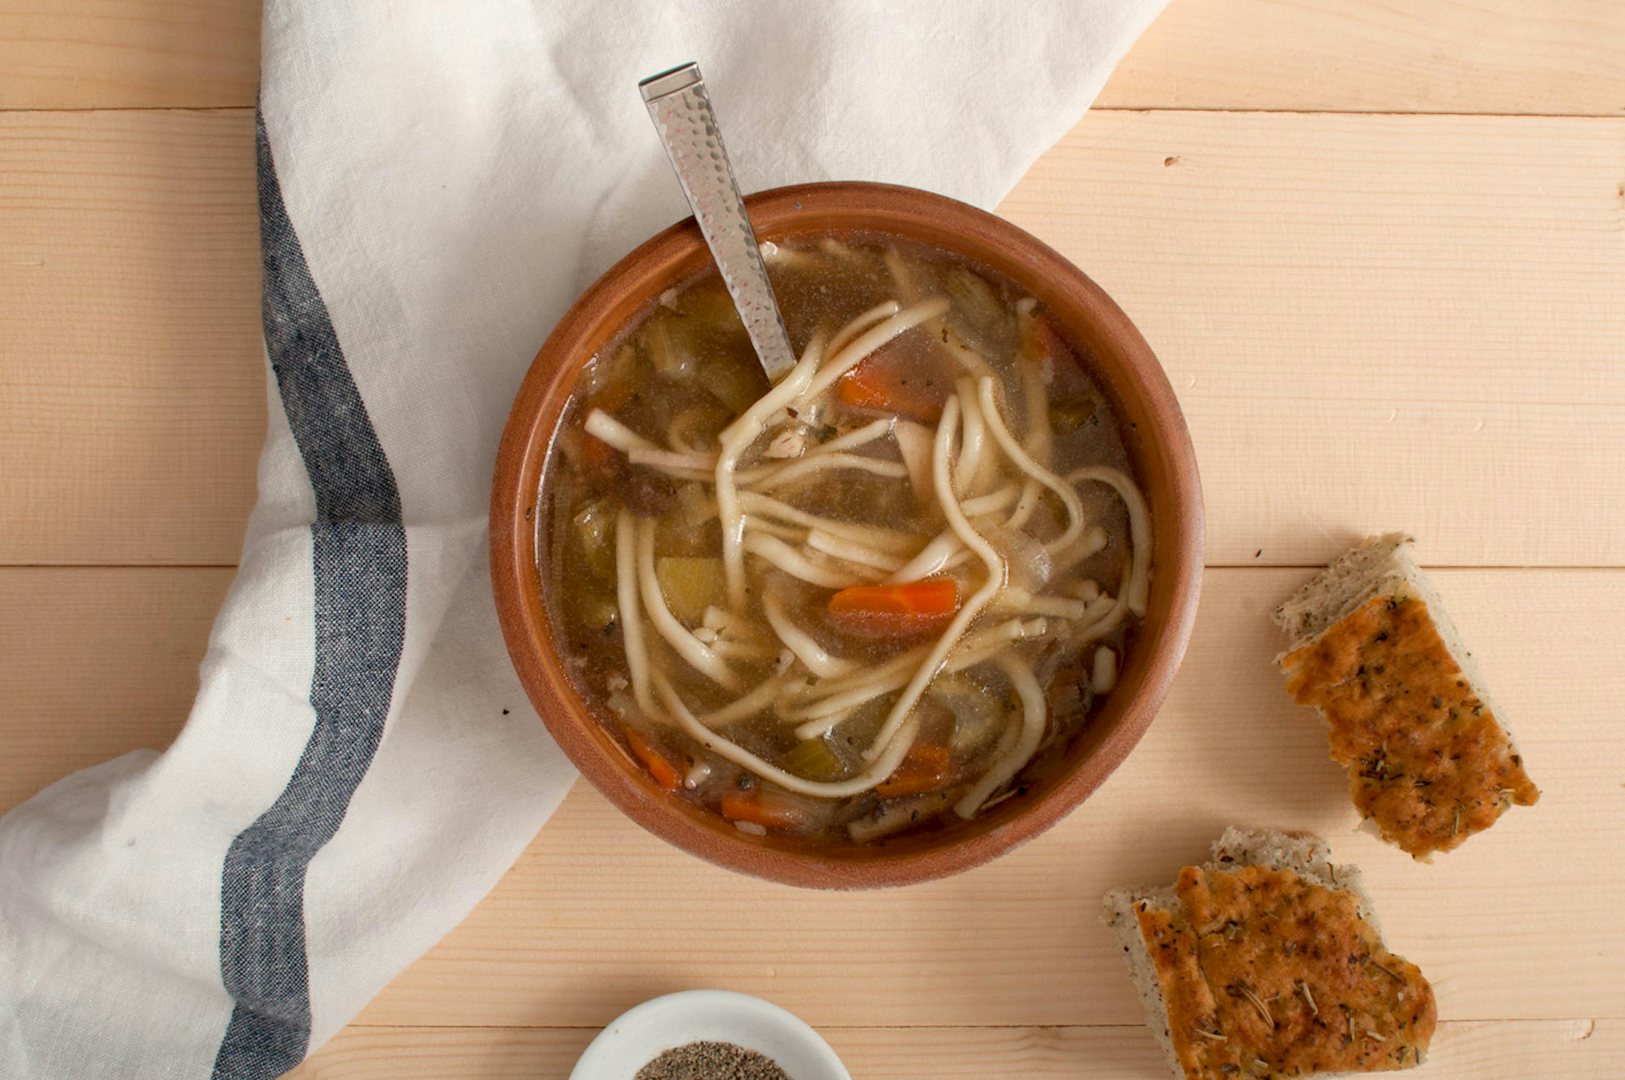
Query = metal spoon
x=682 y=114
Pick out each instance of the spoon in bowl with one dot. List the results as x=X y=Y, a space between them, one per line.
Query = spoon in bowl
x=681 y=111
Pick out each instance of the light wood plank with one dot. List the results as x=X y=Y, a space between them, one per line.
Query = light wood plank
x=132 y=387
x=1506 y=1050
x=1372 y=322
x=127 y=54
x=1399 y=56
x=596 y=914
x=97 y=662
x=1469 y=56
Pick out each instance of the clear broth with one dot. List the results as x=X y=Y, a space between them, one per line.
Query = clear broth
x=681 y=371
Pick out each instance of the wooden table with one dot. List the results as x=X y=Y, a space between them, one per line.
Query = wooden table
x=1380 y=248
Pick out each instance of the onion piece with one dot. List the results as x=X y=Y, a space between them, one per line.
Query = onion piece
x=1034 y=714
x=895 y=816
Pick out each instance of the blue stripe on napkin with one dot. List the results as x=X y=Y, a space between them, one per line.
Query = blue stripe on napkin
x=360 y=603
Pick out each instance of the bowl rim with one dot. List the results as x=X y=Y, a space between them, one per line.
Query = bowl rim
x=1178 y=524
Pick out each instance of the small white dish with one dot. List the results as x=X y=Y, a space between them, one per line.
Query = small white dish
x=643 y=1033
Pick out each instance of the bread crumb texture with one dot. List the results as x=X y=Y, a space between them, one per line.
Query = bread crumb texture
x=1266 y=974
x=1428 y=762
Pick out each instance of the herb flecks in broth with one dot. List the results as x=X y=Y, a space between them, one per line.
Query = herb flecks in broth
x=877 y=597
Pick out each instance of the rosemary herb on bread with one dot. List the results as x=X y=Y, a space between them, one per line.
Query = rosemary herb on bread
x=1266 y=962
x=1428 y=759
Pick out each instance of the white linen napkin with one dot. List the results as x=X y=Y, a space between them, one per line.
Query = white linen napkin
x=437 y=182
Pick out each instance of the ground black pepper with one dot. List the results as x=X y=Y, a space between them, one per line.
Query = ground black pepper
x=711 y=1061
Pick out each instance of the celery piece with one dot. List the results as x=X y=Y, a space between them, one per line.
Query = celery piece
x=813 y=759
x=898 y=814
x=690 y=585
x=978 y=716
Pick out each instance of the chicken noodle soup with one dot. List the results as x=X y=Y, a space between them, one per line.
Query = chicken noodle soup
x=876 y=598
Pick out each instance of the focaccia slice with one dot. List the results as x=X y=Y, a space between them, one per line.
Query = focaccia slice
x=1266 y=962
x=1429 y=760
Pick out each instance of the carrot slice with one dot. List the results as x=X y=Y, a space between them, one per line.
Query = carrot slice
x=928 y=596
x=887 y=387
x=762 y=809
x=894 y=610
x=926 y=767
x=660 y=766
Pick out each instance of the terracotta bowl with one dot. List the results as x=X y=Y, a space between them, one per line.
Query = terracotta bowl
x=1157 y=441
